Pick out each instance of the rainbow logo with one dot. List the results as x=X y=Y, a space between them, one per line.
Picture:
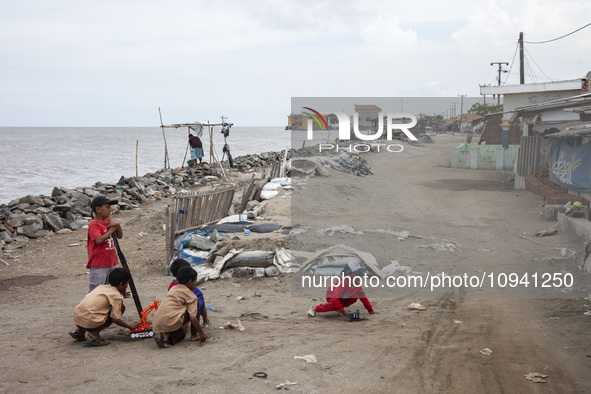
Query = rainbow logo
x=316 y=115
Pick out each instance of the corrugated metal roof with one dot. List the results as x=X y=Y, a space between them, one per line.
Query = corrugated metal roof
x=582 y=130
x=582 y=100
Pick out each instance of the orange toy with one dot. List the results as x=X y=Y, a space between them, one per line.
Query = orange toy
x=144 y=331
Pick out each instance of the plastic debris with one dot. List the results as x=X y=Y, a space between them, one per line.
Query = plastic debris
x=233 y=326
x=211 y=308
x=458 y=321
x=310 y=358
x=416 y=306
x=486 y=351
x=286 y=383
x=536 y=377
x=588 y=313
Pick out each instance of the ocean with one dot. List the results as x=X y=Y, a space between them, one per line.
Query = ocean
x=36 y=159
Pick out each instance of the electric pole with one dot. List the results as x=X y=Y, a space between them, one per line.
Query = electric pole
x=461 y=110
x=499 y=77
x=521 y=63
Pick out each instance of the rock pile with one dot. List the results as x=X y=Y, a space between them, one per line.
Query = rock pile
x=259 y=160
x=35 y=216
x=67 y=210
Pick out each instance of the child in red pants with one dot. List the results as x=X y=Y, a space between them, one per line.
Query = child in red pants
x=344 y=295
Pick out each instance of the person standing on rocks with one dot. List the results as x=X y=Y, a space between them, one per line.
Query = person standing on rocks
x=196 y=148
x=102 y=254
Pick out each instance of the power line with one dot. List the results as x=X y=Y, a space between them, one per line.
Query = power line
x=530 y=71
x=558 y=38
x=536 y=63
x=512 y=61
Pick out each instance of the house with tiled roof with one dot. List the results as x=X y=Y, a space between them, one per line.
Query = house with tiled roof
x=368 y=116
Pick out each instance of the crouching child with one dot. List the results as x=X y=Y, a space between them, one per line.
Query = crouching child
x=178 y=307
x=176 y=265
x=102 y=307
x=345 y=294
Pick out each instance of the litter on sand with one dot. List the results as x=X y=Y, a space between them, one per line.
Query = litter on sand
x=536 y=377
x=233 y=326
x=416 y=306
x=286 y=383
x=310 y=358
x=486 y=351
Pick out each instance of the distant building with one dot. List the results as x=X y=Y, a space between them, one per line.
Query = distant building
x=368 y=117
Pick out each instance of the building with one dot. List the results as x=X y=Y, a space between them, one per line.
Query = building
x=515 y=96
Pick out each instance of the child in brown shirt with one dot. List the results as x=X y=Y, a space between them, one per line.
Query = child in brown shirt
x=178 y=307
x=102 y=307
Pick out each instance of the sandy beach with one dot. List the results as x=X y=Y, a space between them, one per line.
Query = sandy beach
x=399 y=350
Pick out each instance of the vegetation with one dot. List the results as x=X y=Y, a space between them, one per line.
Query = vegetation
x=483 y=109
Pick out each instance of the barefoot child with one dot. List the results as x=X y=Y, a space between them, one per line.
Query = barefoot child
x=176 y=265
x=101 y=307
x=178 y=307
x=344 y=295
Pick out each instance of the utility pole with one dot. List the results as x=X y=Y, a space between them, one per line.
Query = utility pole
x=499 y=77
x=461 y=110
x=521 y=63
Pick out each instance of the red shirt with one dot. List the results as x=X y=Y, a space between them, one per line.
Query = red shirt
x=343 y=291
x=100 y=255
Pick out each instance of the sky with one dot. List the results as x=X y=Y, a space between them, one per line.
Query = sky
x=67 y=63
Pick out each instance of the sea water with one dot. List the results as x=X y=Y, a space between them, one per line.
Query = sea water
x=36 y=159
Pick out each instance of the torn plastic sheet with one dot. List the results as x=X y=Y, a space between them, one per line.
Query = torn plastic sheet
x=310 y=166
x=331 y=261
x=182 y=241
x=282 y=260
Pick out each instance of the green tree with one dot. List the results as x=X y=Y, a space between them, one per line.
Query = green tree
x=483 y=109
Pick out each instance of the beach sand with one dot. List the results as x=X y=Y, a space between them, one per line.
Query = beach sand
x=397 y=350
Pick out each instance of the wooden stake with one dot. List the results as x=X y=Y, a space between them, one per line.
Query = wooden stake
x=136 y=146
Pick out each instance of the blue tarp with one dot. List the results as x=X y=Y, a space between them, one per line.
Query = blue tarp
x=570 y=166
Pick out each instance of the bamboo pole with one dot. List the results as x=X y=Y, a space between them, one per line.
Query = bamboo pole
x=165 y=146
x=136 y=146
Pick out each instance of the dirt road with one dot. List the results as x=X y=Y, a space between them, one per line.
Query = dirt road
x=458 y=221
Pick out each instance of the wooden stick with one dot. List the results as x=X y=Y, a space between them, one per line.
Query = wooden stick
x=165 y=146
x=531 y=240
x=136 y=146
x=123 y=261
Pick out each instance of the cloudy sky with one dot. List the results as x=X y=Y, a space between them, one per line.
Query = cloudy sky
x=113 y=63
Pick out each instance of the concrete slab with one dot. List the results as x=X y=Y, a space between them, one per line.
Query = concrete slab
x=577 y=227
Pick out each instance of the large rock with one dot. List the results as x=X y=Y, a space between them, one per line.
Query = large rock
x=31 y=200
x=251 y=204
x=56 y=192
x=78 y=224
x=33 y=219
x=31 y=231
x=54 y=222
x=91 y=192
x=14 y=222
x=137 y=185
x=199 y=242
x=81 y=197
x=5 y=236
x=62 y=207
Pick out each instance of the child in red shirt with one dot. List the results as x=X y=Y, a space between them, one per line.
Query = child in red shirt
x=102 y=255
x=344 y=295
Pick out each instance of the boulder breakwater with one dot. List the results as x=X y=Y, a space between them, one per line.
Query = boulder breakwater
x=66 y=210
